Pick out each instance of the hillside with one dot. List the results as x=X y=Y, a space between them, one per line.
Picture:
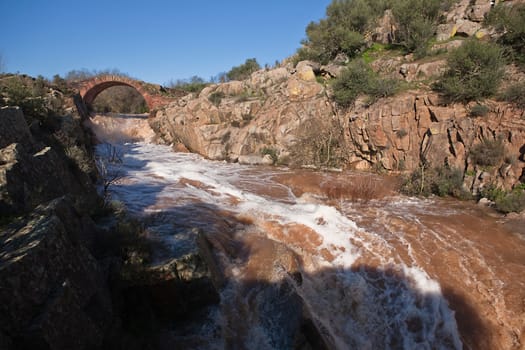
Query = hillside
x=449 y=104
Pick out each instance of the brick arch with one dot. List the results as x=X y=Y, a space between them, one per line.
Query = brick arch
x=91 y=88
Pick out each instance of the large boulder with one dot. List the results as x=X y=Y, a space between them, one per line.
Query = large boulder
x=305 y=70
x=13 y=127
x=32 y=173
x=52 y=293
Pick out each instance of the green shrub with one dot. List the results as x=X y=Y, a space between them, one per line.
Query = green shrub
x=21 y=92
x=515 y=94
x=193 y=85
x=342 y=31
x=479 y=111
x=487 y=153
x=504 y=201
x=244 y=70
x=474 y=71
x=216 y=98
x=417 y=21
x=511 y=202
x=358 y=79
x=509 y=21
x=442 y=181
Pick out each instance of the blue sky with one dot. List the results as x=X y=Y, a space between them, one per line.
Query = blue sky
x=153 y=40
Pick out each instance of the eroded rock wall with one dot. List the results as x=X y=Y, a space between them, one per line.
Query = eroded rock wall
x=264 y=112
x=397 y=134
x=402 y=132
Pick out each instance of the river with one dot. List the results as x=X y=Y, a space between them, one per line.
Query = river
x=370 y=269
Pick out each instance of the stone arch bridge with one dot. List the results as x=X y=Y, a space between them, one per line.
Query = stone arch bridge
x=154 y=95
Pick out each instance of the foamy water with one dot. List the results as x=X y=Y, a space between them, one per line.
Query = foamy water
x=357 y=293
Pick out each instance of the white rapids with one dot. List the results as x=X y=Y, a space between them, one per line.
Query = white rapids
x=358 y=293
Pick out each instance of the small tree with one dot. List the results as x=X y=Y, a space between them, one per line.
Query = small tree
x=342 y=31
x=417 y=21
x=109 y=168
x=474 y=71
x=244 y=70
x=29 y=96
x=194 y=84
x=489 y=152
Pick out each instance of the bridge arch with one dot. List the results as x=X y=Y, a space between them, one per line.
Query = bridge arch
x=152 y=94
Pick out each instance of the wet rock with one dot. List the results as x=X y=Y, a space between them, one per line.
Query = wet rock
x=174 y=290
x=251 y=160
x=485 y=202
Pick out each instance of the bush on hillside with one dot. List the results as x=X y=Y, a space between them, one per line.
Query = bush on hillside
x=244 y=70
x=479 y=110
x=417 y=21
x=515 y=94
x=509 y=21
x=359 y=79
x=474 y=71
x=506 y=201
x=342 y=31
x=83 y=74
x=216 y=98
x=442 y=181
x=25 y=93
x=487 y=153
x=193 y=85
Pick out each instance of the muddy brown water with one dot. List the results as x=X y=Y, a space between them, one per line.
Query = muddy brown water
x=369 y=268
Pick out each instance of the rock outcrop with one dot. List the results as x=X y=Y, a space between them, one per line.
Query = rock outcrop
x=32 y=172
x=66 y=283
x=264 y=112
x=401 y=132
x=396 y=134
x=53 y=294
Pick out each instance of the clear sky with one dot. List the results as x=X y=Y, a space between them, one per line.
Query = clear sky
x=153 y=40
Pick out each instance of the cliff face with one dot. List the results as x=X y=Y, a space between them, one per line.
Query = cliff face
x=53 y=292
x=65 y=282
x=286 y=109
x=237 y=120
x=401 y=132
